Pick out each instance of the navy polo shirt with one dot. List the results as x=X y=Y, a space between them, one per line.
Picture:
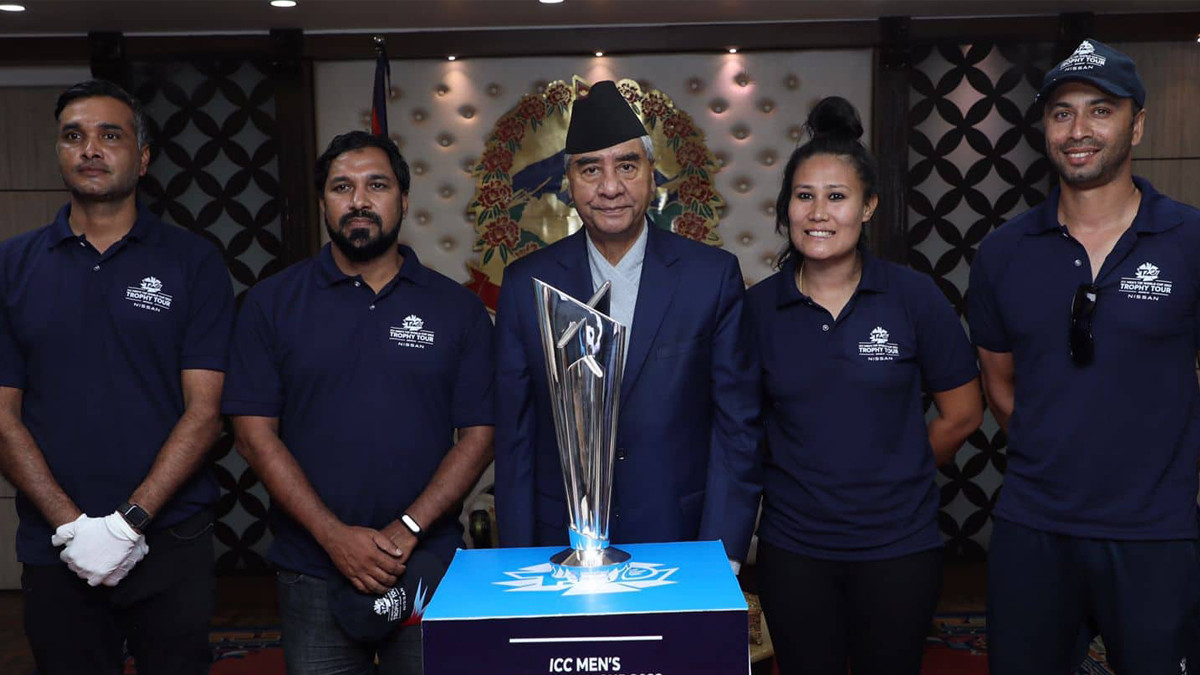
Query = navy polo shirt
x=368 y=389
x=850 y=472
x=1107 y=450
x=96 y=343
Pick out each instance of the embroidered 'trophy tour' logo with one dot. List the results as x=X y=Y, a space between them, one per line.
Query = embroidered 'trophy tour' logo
x=1146 y=284
x=877 y=347
x=392 y=604
x=148 y=295
x=1084 y=58
x=411 y=333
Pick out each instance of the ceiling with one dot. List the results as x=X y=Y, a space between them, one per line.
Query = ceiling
x=226 y=16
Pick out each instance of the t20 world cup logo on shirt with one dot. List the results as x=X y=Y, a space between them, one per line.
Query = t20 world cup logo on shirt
x=1146 y=284
x=411 y=333
x=877 y=347
x=148 y=295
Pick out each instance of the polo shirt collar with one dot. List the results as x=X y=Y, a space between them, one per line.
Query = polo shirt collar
x=145 y=228
x=411 y=269
x=1156 y=213
x=874 y=280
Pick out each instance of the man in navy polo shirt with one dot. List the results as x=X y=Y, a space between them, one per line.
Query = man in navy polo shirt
x=349 y=376
x=113 y=334
x=1086 y=314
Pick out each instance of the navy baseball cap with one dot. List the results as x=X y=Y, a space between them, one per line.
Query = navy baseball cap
x=1099 y=65
x=371 y=618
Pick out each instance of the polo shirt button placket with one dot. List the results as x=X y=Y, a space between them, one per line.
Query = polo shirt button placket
x=372 y=308
x=825 y=327
x=96 y=268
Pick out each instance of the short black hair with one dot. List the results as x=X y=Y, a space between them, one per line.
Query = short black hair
x=834 y=128
x=94 y=88
x=357 y=140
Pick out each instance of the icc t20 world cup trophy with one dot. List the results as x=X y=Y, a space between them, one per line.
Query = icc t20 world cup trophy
x=585 y=356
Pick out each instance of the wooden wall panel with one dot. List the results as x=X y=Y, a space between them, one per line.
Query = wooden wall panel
x=1171 y=71
x=1179 y=179
x=25 y=211
x=10 y=569
x=27 y=134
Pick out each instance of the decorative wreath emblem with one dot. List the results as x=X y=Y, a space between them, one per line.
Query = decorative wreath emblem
x=521 y=201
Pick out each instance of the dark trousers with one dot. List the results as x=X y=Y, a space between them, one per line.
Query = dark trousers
x=162 y=610
x=1044 y=590
x=314 y=644
x=827 y=614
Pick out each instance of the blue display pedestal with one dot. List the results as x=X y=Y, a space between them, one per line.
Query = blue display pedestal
x=677 y=610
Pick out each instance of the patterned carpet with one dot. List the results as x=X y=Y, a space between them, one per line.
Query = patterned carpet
x=959 y=647
x=240 y=651
x=247 y=651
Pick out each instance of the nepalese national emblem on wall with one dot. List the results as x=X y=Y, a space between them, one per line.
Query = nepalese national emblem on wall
x=521 y=200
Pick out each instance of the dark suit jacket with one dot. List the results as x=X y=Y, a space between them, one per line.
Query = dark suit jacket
x=688 y=429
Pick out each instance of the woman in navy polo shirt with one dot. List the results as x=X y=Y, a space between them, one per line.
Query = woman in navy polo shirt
x=849 y=556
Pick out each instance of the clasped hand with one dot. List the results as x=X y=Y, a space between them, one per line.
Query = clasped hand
x=368 y=558
x=100 y=550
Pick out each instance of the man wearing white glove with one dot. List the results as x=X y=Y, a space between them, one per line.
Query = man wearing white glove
x=100 y=550
x=113 y=335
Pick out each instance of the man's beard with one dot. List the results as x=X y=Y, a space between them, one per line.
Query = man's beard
x=361 y=246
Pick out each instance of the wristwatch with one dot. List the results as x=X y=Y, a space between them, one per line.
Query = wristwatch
x=135 y=515
x=411 y=524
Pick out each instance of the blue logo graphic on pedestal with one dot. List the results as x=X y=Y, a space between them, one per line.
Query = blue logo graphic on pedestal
x=542 y=578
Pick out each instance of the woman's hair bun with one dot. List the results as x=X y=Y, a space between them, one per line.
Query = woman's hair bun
x=834 y=118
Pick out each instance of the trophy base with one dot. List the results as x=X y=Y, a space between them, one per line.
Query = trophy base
x=594 y=566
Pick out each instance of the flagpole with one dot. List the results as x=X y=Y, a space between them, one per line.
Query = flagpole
x=382 y=89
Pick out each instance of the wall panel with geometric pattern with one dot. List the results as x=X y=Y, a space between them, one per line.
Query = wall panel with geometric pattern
x=215 y=171
x=976 y=159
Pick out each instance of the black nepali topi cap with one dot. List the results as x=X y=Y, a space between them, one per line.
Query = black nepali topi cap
x=371 y=618
x=601 y=120
x=1099 y=65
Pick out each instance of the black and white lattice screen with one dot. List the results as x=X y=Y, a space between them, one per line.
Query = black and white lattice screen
x=215 y=171
x=976 y=159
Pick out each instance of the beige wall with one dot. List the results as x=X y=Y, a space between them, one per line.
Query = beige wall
x=1169 y=155
x=746 y=104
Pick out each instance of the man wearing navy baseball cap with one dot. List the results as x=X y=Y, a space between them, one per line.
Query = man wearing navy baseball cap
x=1086 y=314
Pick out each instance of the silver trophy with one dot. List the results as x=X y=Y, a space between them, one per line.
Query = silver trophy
x=585 y=356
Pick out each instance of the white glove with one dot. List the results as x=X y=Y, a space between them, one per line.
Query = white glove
x=135 y=556
x=103 y=549
x=66 y=531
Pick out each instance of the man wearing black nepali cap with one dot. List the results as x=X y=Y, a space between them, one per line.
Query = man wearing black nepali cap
x=686 y=436
x=1086 y=314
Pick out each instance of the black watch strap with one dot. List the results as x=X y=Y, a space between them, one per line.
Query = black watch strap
x=135 y=515
x=412 y=525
